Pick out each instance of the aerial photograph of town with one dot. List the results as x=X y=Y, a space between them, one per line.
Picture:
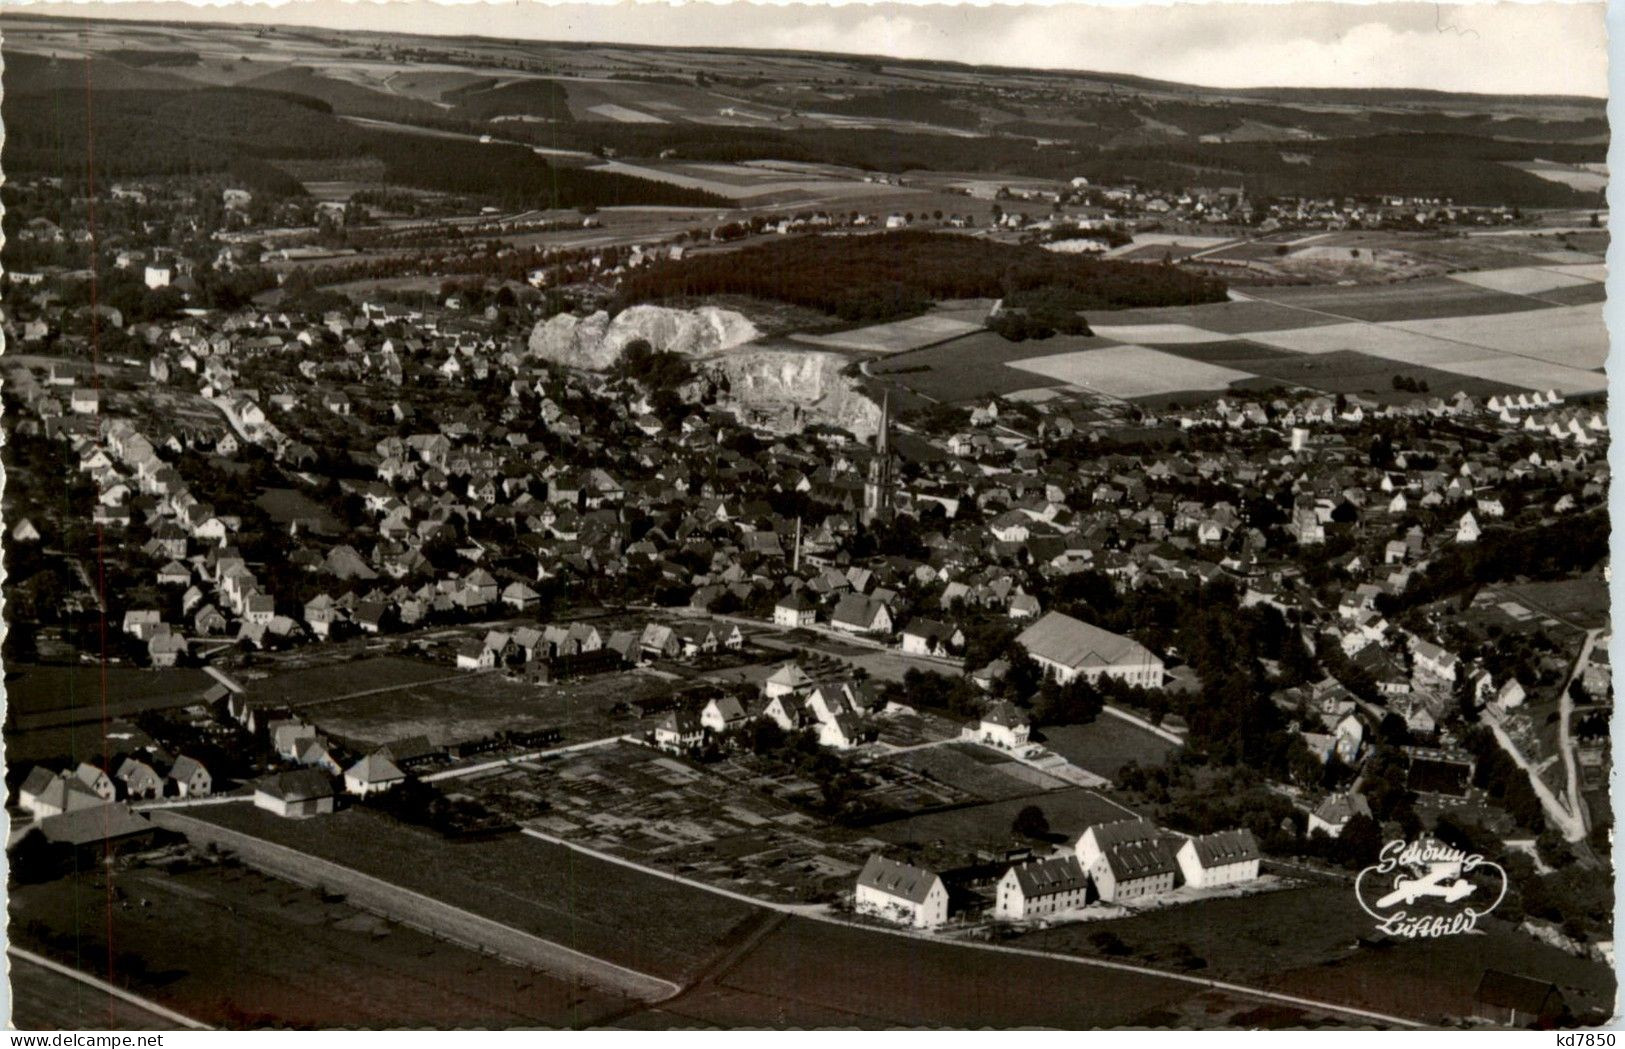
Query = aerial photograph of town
x=519 y=528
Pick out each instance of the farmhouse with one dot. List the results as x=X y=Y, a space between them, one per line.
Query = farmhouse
x=373 y=774
x=296 y=794
x=1226 y=858
x=1070 y=649
x=795 y=610
x=901 y=893
x=1044 y=887
x=926 y=637
x=857 y=614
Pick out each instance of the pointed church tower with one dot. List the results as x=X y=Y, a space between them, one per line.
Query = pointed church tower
x=877 y=490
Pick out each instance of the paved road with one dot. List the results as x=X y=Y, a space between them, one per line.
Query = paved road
x=535 y=755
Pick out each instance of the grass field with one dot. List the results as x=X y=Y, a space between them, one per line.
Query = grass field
x=1068 y=811
x=1304 y=941
x=1130 y=371
x=327 y=681
x=1524 y=280
x=234 y=948
x=1106 y=744
x=1583 y=602
x=471 y=707
x=810 y=973
x=896 y=337
x=42 y=1000
x=598 y=908
x=47 y=689
x=1415 y=300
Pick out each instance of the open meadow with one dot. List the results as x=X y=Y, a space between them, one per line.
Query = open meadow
x=987 y=826
x=587 y=905
x=1307 y=941
x=234 y=948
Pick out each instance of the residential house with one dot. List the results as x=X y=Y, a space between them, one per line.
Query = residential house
x=901 y=893
x=373 y=774
x=1004 y=726
x=1228 y=857
x=1041 y=888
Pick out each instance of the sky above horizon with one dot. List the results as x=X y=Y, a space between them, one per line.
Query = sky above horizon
x=1499 y=48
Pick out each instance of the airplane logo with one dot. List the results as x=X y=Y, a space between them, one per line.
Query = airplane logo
x=1431 y=884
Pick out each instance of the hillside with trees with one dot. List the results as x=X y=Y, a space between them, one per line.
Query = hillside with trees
x=891 y=275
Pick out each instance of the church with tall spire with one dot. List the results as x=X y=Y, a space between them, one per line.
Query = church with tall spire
x=877 y=489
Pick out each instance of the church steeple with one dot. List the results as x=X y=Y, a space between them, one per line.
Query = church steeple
x=877 y=490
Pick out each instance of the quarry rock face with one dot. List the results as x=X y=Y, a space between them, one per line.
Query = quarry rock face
x=788 y=390
x=596 y=343
x=785 y=390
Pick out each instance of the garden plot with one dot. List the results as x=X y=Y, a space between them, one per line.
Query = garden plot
x=1130 y=371
x=1523 y=280
x=897 y=337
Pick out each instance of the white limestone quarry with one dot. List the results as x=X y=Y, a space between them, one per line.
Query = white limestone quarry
x=596 y=343
x=785 y=390
x=788 y=390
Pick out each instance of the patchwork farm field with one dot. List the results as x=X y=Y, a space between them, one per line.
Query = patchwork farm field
x=1507 y=330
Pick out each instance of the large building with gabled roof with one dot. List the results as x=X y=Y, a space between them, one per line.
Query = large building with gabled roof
x=1069 y=649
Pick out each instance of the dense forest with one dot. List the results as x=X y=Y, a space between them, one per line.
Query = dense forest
x=244 y=131
x=890 y=275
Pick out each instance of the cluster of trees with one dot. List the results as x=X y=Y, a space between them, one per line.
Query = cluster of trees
x=1549 y=551
x=1038 y=313
x=1406 y=384
x=898 y=274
